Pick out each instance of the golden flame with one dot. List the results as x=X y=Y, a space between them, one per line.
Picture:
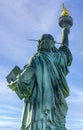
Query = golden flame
x=64 y=11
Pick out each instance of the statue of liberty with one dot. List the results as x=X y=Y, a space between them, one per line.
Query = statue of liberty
x=42 y=83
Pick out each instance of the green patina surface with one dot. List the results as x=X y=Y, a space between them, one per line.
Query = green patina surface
x=42 y=84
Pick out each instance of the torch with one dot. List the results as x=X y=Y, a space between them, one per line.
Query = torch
x=65 y=20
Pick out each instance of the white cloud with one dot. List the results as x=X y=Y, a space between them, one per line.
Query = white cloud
x=75 y=108
x=10 y=107
x=76 y=96
x=8 y=118
x=78 y=54
x=75 y=125
x=8 y=124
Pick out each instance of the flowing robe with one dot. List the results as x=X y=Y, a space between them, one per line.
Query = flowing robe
x=43 y=86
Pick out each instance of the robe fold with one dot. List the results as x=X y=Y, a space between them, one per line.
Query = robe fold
x=43 y=86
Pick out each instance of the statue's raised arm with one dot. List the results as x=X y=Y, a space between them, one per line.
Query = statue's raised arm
x=65 y=40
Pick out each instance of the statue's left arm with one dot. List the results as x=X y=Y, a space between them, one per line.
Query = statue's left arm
x=24 y=84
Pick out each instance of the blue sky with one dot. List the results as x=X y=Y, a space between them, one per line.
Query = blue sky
x=23 y=19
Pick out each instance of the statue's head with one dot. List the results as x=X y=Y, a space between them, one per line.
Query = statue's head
x=46 y=42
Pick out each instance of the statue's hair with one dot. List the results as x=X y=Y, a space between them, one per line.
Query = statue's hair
x=46 y=42
x=46 y=36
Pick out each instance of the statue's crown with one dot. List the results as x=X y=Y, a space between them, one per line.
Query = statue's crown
x=46 y=36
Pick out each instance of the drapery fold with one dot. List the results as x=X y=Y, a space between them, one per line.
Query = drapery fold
x=44 y=88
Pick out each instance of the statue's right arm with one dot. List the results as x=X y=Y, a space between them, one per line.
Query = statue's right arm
x=65 y=45
x=65 y=40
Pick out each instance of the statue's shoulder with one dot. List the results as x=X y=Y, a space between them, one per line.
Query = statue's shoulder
x=34 y=58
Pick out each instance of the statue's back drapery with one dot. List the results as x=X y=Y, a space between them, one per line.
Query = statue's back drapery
x=44 y=80
x=43 y=86
x=42 y=83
